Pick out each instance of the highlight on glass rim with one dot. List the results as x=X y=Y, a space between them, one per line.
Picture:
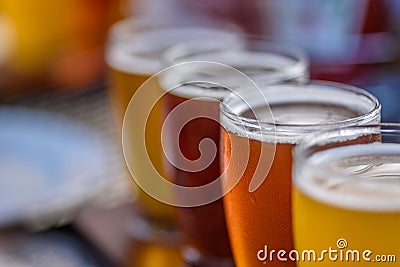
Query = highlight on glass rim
x=183 y=133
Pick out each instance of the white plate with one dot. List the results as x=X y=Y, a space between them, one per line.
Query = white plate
x=49 y=166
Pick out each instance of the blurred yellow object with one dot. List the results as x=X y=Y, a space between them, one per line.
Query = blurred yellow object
x=123 y=87
x=8 y=34
x=57 y=43
x=38 y=31
x=154 y=255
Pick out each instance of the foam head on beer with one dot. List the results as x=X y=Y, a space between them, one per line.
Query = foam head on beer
x=263 y=61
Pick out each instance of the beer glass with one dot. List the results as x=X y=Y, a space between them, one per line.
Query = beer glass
x=133 y=56
x=205 y=76
x=347 y=196
x=258 y=208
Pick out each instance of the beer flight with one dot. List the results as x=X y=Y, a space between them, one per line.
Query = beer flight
x=301 y=166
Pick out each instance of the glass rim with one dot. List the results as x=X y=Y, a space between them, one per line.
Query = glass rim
x=190 y=51
x=302 y=128
x=303 y=147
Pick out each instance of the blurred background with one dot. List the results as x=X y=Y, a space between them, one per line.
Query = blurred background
x=65 y=195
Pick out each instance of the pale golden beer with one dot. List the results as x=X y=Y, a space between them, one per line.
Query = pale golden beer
x=128 y=70
x=262 y=216
x=124 y=86
x=347 y=196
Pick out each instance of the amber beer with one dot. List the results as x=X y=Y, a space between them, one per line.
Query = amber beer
x=133 y=56
x=349 y=191
x=204 y=227
x=263 y=217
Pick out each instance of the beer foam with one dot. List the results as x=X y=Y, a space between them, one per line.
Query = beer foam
x=141 y=52
x=259 y=61
x=358 y=177
x=280 y=125
x=234 y=69
x=131 y=55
